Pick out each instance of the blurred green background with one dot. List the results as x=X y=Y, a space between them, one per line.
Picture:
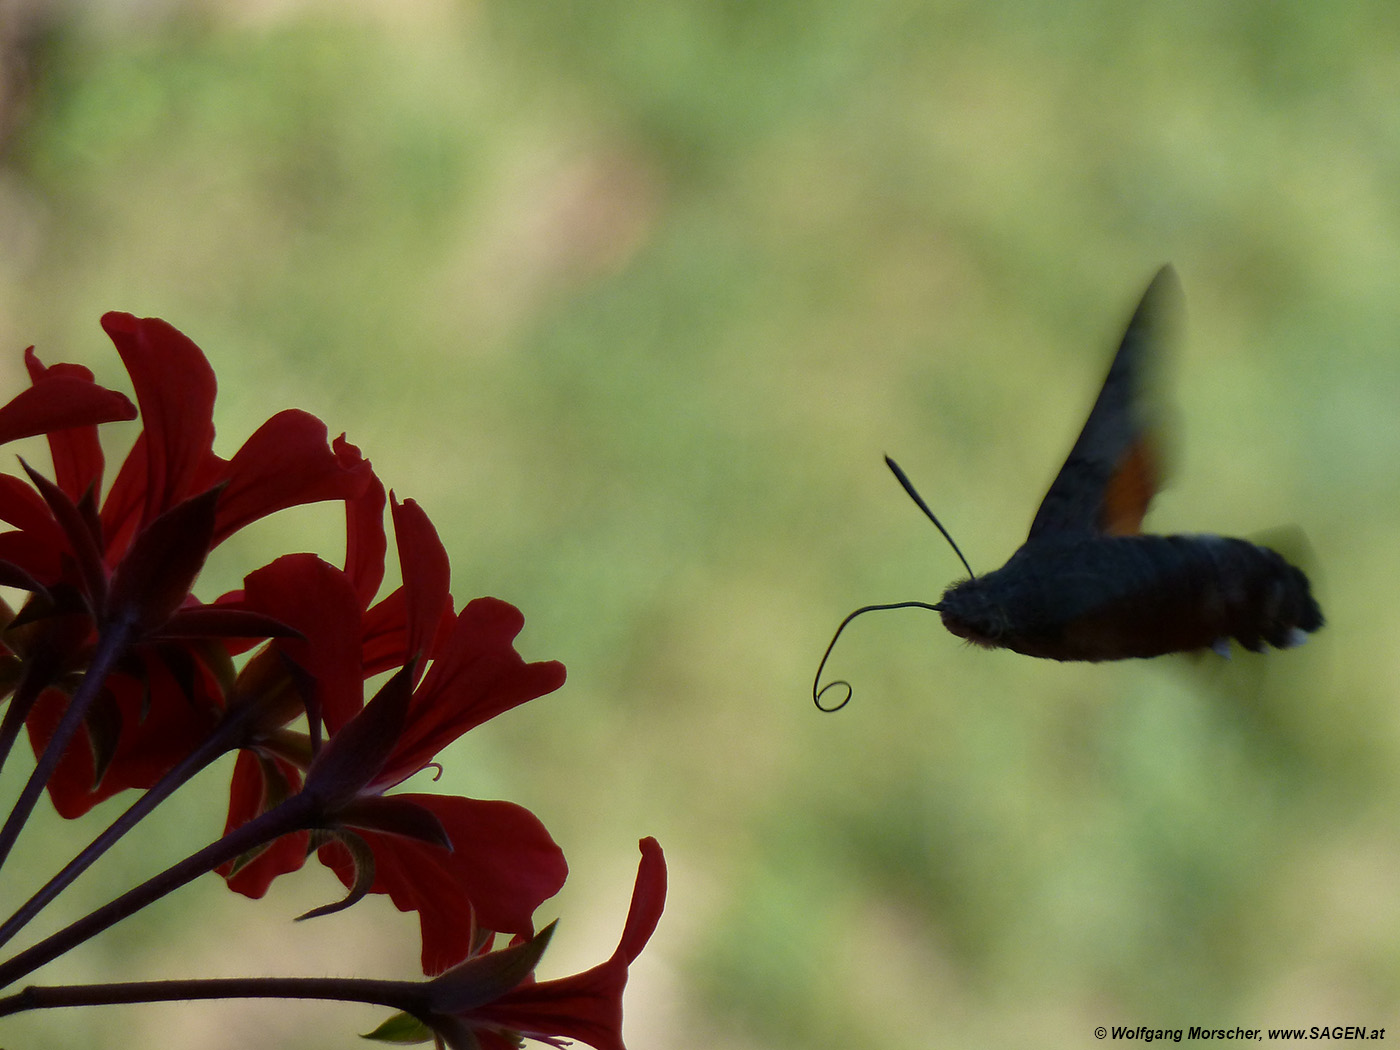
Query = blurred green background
x=632 y=298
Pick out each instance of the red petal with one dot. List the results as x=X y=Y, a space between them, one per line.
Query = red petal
x=365 y=542
x=426 y=578
x=648 y=901
x=316 y=599
x=476 y=675
x=286 y=463
x=125 y=502
x=60 y=403
x=385 y=634
x=247 y=799
x=66 y=404
x=502 y=867
x=175 y=388
x=160 y=725
x=588 y=1005
x=61 y=397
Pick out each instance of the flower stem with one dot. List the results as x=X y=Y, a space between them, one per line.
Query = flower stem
x=296 y=813
x=223 y=738
x=21 y=703
x=110 y=649
x=409 y=996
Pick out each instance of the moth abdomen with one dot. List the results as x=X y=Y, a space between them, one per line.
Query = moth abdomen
x=1259 y=596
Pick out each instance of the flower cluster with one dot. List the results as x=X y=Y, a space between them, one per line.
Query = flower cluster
x=123 y=681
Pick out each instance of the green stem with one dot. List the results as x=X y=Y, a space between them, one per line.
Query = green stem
x=408 y=996
x=111 y=647
x=297 y=813
x=224 y=737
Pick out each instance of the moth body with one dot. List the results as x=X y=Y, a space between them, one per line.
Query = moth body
x=1081 y=597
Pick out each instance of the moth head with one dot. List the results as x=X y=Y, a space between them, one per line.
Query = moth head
x=969 y=612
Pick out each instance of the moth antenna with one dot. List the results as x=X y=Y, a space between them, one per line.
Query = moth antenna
x=818 y=693
x=909 y=488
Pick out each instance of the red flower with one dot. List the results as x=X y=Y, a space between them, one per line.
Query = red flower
x=462 y=864
x=502 y=865
x=470 y=1010
x=112 y=642
x=134 y=560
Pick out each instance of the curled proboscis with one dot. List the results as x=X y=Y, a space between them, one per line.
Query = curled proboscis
x=819 y=690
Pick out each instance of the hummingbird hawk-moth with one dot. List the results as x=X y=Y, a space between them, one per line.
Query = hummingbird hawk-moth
x=1087 y=584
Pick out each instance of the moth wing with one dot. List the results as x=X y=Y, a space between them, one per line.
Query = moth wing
x=1114 y=468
